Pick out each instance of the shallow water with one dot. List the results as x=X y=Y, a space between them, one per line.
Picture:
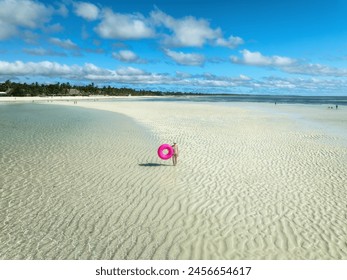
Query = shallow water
x=63 y=176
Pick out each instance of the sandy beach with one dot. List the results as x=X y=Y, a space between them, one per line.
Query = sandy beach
x=253 y=181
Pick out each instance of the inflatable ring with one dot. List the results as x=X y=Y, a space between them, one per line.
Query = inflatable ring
x=161 y=150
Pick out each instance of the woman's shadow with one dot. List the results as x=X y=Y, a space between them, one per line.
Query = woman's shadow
x=152 y=164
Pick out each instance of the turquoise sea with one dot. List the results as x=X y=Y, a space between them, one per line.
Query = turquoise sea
x=318 y=100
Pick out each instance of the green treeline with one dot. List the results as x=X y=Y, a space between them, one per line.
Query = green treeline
x=66 y=89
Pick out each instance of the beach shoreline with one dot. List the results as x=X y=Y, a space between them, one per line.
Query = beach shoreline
x=5 y=99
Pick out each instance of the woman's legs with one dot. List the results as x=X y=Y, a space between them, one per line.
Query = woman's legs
x=174 y=159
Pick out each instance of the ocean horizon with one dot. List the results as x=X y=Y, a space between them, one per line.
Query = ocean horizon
x=284 y=99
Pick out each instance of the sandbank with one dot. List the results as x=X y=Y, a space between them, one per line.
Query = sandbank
x=253 y=181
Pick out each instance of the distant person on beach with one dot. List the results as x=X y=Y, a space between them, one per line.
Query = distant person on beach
x=337 y=106
x=175 y=154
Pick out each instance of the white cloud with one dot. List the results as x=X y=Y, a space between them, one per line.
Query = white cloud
x=315 y=70
x=43 y=52
x=303 y=85
x=88 y=71
x=244 y=77
x=129 y=75
x=130 y=71
x=257 y=59
x=65 y=44
x=288 y=65
x=44 y=68
x=192 y=32
x=25 y=13
x=7 y=30
x=232 y=42
x=180 y=81
x=188 y=31
x=86 y=10
x=192 y=59
x=127 y=56
x=16 y=14
x=124 y=26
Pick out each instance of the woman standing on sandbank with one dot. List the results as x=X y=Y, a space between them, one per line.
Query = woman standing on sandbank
x=175 y=154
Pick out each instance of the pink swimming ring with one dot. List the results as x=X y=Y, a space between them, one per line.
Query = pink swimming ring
x=161 y=150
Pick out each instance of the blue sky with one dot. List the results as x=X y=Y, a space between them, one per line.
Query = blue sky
x=240 y=46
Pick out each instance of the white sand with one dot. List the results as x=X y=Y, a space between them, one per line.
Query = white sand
x=253 y=181
x=52 y=98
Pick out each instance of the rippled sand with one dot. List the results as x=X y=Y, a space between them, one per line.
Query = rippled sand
x=253 y=181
